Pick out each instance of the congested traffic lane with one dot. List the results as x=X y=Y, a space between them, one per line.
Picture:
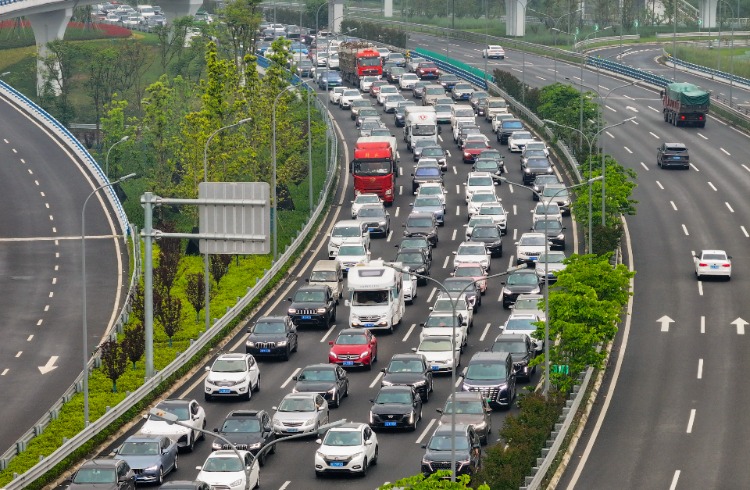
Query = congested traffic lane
x=400 y=453
x=658 y=433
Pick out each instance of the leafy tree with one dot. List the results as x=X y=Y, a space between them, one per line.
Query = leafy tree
x=134 y=343
x=102 y=76
x=134 y=60
x=171 y=38
x=219 y=266
x=242 y=18
x=171 y=310
x=437 y=481
x=137 y=304
x=311 y=10
x=195 y=291
x=57 y=63
x=114 y=361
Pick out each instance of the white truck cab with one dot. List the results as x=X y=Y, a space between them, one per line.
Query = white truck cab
x=420 y=123
x=376 y=296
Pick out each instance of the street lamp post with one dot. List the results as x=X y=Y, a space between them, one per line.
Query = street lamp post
x=590 y=142
x=83 y=297
x=545 y=389
x=206 y=268
x=583 y=62
x=274 y=204
x=171 y=418
x=554 y=28
x=454 y=303
x=106 y=160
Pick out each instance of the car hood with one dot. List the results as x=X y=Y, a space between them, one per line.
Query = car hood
x=220 y=477
x=550 y=267
x=428 y=209
x=232 y=377
x=294 y=416
x=93 y=486
x=462 y=419
x=404 y=378
x=334 y=285
x=163 y=428
x=432 y=356
x=521 y=288
x=140 y=462
x=419 y=230
x=314 y=386
x=266 y=337
x=342 y=452
x=486 y=239
x=306 y=306
x=391 y=408
x=350 y=349
x=432 y=455
x=471 y=258
x=482 y=382
x=248 y=438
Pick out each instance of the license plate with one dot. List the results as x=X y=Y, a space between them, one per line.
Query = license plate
x=390 y=424
x=369 y=324
x=265 y=351
x=306 y=317
x=338 y=464
x=372 y=229
x=348 y=363
x=435 y=368
x=292 y=429
x=676 y=158
x=224 y=390
x=533 y=258
x=714 y=266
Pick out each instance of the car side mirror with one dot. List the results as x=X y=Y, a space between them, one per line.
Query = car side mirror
x=307 y=280
x=503 y=283
x=289 y=299
x=318 y=441
x=295 y=378
x=729 y=257
x=346 y=302
x=216 y=429
x=207 y=369
x=423 y=446
x=330 y=342
x=414 y=349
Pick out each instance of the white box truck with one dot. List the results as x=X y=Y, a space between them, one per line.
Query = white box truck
x=376 y=296
x=420 y=123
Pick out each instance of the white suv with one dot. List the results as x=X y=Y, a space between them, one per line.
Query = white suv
x=529 y=247
x=347 y=96
x=348 y=448
x=518 y=139
x=232 y=375
x=478 y=181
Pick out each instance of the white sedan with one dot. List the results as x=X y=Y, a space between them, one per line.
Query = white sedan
x=493 y=51
x=222 y=469
x=713 y=263
x=518 y=139
x=472 y=252
x=407 y=81
x=439 y=353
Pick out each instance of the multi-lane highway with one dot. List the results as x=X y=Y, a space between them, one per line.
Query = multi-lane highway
x=42 y=190
x=674 y=417
x=400 y=452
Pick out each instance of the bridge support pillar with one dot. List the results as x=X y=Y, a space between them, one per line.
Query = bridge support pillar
x=48 y=27
x=515 y=17
x=707 y=13
x=388 y=8
x=174 y=9
x=335 y=15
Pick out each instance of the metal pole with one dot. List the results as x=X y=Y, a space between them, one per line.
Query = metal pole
x=309 y=153
x=148 y=200
x=106 y=161
x=85 y=326
x=275 y=207
x=206 y=268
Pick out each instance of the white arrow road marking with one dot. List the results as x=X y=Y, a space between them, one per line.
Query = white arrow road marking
x=50 y=366
x=665 y=321
x=740 y=323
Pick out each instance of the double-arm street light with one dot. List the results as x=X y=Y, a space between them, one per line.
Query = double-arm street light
x=206 y=268
x=83 y=297
x=171 y=418
x=454 y=297
x=545 y=389
x=590 y=142
x=555 y=29
x=583 y=62
x=106 y=160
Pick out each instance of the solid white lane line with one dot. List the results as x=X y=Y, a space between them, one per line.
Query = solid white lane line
x=653 y=109
x=515 y=210
x=390 y=235
x=745 y=231
x=712 y=186
x=407 y=334
x=458 y=210
x=691 y=420
x=291 y=376
x=458 y=189
x=652 y=134
x=700 y=368
x=729 y=207
x=484 y=332
x=685 y=230
x=644 y=166
x=285 y=485
x=425 y=431
x=432 y=293
x=628 y=150
x=445 y=263
x=377 y=379
x=674 y=206
x=694 y=167
x=676 y=477
x=400 y=190
x=398 y=209
x=746 y=167
x=700 y=288
x=701 y=135
x=703 y=324
x=5 y=371
x=659 y=184
x=329 y=332
x=726 y=152
x=515 y=234
x=453 y=236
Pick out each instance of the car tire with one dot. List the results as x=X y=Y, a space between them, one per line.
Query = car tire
x=176 y=461
x=191 y=445
x=333 y=316
x=375 y=457
x=257 y=482
x=318 y=474
x=369 y=365
x=296 y=345
x=287 y=354
x=337 y=402
x=257 y=385
x=262 y=460
x=207 y=397
x=160 y=478
x=365 y=467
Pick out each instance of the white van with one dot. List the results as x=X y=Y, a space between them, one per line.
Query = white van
x=145 y=11
x=329 y=273
x=420 y=123
x=376 y=296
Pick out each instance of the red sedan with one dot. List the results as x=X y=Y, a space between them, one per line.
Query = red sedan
x=473 y=148
x=354 y=347
x=426 y=70
x=474 y=271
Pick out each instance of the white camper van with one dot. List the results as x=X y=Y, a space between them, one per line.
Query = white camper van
x=376 y=296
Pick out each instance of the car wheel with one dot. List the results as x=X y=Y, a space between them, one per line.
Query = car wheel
x=191 y=445
x=175 y=464
x=365 y=467
x=318 y=474
x=160 y=478
x=337 y=400
x=257 y=385
x=346 y=393
x=262 y=460
x=375 y=457
x=369 y=365
x=333 y=315
x=207 y=397
x=287 y=353
x=257 y=482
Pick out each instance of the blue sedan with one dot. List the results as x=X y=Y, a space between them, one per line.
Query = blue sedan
x=150 y=457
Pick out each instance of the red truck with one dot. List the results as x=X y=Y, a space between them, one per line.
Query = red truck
x=358 y=59
x=374 y=170
x=685 y=104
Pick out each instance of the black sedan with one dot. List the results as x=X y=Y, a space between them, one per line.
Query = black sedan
x=396 y=407
x=246 y=429
x=519 y=282
x=409 y=370
x=422 y=224
x=272 y=336
x=416 y=260
x=491 y=236
x=329 y=380
x=416 y=242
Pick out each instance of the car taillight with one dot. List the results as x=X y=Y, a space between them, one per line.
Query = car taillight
x=702 y=264
x=726 y=265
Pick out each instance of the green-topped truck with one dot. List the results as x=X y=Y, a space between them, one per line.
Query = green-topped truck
x=685 y=104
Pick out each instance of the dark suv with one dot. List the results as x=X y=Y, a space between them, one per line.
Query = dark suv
x=521 y=350
x=673 y=155
x=272 y=336
x=506 y=129
x=424 y=174
x=493 y=375
x=491 y=236
x=409 y=370
x=248 y=430
x=313 y=305
x=422 y=224
x=438 y=451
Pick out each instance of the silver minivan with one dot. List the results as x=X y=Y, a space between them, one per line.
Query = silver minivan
x=328 y=272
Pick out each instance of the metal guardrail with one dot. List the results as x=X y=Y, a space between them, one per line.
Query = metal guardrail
x=713 y=34
x=595 y=40
x=710 y=71
x=196 y=346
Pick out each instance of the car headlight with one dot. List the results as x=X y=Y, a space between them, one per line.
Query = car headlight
x=363 y=355
x=295 y=390
x=560 y=236
x=237 y=482
x=152 y=468
x=281 y=343
x=333 y=354
x=250 y=344
x=332 y=391
x=388 y=383
x=277 y=422
x=506 y=291
x=255 y=446
x=527 y=170
x=320 y=454
x=321 y=310
x=215 y=445
x=291 y=311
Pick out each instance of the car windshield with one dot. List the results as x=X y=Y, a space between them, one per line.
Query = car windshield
x=430 y=190
x=434 y=321
x=368 y=113
x=419 y=222
x=317 y=375
x=480 y=181
x=367 y=199
x=463 y=86
x=474 y=144
x=435 y=345
x=343 y=438
x=537 y=162
x=434 y=91
x=410 y=258
x=550 y=209
x=552 y=258
x=471 y=249
x=492 y=210
x=241 y=425
x=372 y=212
x=346 y=231
x=714 y=256
x=399 y=366
x=388 y=89
x=409 y=76
x=349 y=250
x=445 y=304
x=414 y=243
x=369 y=298
x=527 y=304
x=512 y=125
x=496 y=103
x=279 y=327
x=351 y=93
x=229 y=366
x=393 y=397
x=485 y=232
x=427 y=65
x=534 y=153
x=483 y=197
x=351 y=339
x=557 y=192
x=485 y=371
x=310 y=296
x=317 y=276
x=458 y=286
x=521 y=324
x=515 y=347
x=139 y=448
x=486 y=165
x=297 y=405
x=472 y=407
x=519 y=279
x=521 y=135
x=470 y=271
x=443 y=443
x=223 y=464
x=442 y=108
x=479 y=220
x=95 y=475
x=533 y=240
x=427 y=172
x=494 y=154
x=463 y=111
x=431 y=202
x=180 y=411
x=432 y=152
